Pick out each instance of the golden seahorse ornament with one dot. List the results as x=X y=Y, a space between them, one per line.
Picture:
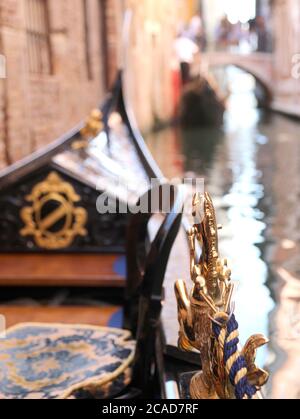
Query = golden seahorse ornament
x=206 y=317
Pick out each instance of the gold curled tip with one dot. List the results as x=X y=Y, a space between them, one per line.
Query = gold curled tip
x=93 y=124
x=196 y=199
x=96 y=114
x=229 y=297
x=253 y=343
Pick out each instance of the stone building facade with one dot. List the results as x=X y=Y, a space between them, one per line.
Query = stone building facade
x=54 y=70
x=286 y=20
x=149 y=60
x=62 y=56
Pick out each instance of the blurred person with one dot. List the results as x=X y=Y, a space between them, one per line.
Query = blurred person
x=186 y=51
x=235 y=35
x=252 y=34
x=196 y=31
x=224 y=33
x=260 y=37
x=262 y=34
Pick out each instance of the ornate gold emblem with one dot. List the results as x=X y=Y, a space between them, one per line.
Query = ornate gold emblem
x=53 y=219
x=206 y=318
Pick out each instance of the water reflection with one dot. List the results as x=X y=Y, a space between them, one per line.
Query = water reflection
x=252 y=170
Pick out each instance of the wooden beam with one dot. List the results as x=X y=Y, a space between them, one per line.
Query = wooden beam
x=94 y=316
x=72 y=270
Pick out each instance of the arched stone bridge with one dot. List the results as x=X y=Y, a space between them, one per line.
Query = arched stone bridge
x=259 y=64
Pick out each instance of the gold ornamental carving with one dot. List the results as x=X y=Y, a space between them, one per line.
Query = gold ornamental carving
x=53 y=219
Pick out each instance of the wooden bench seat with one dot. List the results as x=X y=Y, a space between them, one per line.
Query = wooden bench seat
x=62 y=270
x=95 y=316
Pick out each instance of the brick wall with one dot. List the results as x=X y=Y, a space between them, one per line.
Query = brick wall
x=42 y=107
x=38 y=108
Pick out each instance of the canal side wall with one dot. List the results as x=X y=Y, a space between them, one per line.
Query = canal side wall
x=39 y=103
x=286 y=56
x=150 y=62
x=84 y=43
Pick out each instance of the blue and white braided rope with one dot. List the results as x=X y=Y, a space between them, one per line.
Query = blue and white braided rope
x=226 y=331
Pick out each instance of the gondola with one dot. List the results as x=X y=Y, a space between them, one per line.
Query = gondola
x=63 y=261
x=98 y=287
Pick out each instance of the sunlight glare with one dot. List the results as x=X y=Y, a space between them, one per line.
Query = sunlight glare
x=238 y=11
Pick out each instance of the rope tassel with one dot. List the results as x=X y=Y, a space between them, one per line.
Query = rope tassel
x=227 y=334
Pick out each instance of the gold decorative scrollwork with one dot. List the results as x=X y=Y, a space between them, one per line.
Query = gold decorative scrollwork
x=53 y=220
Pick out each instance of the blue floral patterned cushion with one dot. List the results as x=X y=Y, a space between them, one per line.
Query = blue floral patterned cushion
x=50 y=361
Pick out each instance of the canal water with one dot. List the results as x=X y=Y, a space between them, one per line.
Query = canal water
x=251 y=168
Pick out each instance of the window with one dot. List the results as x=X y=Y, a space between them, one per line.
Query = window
x=87 y=40
x=38 y=36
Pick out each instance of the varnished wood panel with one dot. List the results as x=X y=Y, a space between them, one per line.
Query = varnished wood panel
x=60 y=270
x=95 y=316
